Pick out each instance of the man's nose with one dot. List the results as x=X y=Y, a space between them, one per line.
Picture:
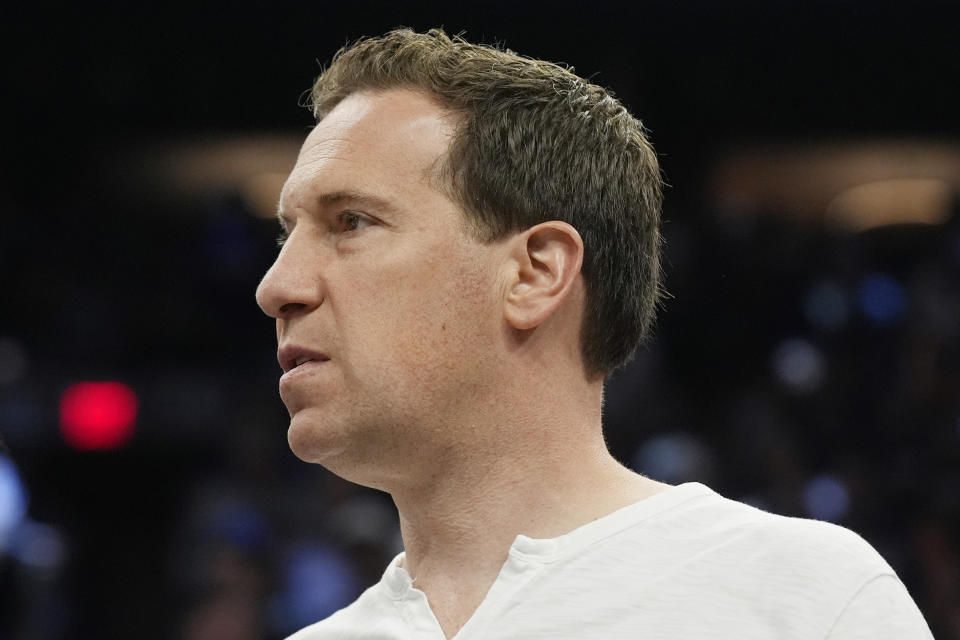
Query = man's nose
x=291 y=283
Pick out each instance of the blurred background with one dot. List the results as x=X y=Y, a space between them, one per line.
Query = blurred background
x=807 y=361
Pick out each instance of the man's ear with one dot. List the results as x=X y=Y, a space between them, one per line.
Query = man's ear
x=546 y=263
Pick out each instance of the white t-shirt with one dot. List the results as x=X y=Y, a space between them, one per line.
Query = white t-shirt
x=685 y=563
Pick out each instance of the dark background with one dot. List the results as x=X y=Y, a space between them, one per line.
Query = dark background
x=805 y=369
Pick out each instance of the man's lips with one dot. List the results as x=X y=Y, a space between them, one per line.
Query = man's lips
x=292 y=356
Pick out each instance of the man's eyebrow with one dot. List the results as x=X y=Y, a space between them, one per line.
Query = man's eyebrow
x=346 y=197
x=356 y=197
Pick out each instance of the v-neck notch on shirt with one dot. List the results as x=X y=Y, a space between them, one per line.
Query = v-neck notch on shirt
x=525 y=557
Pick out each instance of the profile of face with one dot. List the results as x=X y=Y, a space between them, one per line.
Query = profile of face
x=387 y=309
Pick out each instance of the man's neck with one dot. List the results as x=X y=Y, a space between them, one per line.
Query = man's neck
x=458 y=528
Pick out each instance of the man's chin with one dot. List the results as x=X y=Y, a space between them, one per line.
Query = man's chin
x=337 y=447
x=311 y=440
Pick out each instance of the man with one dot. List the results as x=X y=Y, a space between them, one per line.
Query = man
x=470 y=245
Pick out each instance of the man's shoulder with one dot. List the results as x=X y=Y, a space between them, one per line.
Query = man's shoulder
x=760 y=537
x=804 y=538
x=716 y=540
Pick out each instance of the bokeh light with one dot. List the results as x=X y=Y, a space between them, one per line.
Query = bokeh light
x=799 y=365
x=826 y=497
x=13 y=501
x=881 y=298
x=319 y=580
x=39 y=546
x=674 y=458
x=98 y=415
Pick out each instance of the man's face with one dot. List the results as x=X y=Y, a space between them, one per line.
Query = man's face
x=380 y=285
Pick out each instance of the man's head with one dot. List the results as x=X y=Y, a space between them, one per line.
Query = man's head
x=433 y=291
x=533 y=142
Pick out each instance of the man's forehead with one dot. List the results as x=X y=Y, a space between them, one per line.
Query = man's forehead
x=395 y=117
x=387 y=135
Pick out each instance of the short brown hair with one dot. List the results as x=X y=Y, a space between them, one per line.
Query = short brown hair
x=535 y=143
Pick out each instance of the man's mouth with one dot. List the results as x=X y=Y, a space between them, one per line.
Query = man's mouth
x=292 y=356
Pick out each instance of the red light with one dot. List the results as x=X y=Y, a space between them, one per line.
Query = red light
x=97 y=415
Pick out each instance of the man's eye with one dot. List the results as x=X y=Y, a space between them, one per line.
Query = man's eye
x=349 y=221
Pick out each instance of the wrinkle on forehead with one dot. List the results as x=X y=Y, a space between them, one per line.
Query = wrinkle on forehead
x=325 y=151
